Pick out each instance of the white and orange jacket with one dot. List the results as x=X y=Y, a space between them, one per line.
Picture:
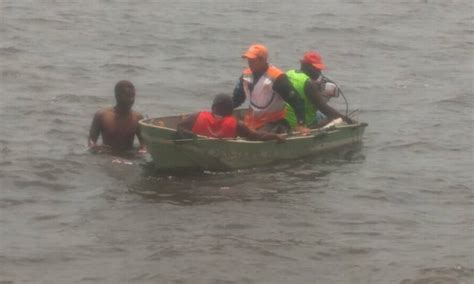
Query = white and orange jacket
x=265 y=104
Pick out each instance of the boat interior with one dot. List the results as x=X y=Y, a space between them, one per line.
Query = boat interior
x=172 y=121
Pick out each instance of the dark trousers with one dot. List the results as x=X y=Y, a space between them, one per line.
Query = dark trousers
x=278 y=127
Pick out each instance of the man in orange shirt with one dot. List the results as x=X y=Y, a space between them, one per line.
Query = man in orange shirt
x=220 y=123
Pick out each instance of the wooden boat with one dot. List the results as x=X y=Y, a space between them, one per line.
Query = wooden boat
x=229 y=154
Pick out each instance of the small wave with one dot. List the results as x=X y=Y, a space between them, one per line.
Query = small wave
x=6 y=163
x=10 y=51
x=57 y=164
x=193 y=24
x=11 y=74
x=460 y=187
x=441 y=275
x=324 y=14
x=48 y=112
x=48 y=185
x=363 y=234
x=248 y=11
x=69 y=134
x=461 y=99
x=353 y=250
x=7 y=202
x=43 y=21
x=47 y=175
x=381 y=110
x=458 y=269
x=352 y=54
x=121 y=67
x=371 y=197
x=274 y=36
x=59 y=121
x=191 y=58
x=93 y=279
x=234 y=226
x=45 y=217
x=389 y=46
x=414 y=145
x=322 y=255
x=431 y=191
x=73 y=98
x=47 y=67
x=345 y=30
x=23 y=260
x=465 y=203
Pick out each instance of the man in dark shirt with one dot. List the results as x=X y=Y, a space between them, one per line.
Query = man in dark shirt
x=268 y=89
x=310 y=86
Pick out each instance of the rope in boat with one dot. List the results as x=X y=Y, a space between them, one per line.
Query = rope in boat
x=340 y=91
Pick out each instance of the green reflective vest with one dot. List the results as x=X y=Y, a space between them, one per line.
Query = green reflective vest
x=298 y=80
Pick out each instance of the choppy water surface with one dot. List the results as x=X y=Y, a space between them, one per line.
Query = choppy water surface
x=398 y=209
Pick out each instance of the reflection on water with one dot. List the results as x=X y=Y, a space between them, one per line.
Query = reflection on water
x=442 y=275
x=267 y=183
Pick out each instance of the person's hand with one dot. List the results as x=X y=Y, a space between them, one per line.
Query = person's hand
x=184 y=134
x=93 y=148
x=347 y=119
x=302 y=130
x=91 y=144
x=142 y=150
x=280 y=138
x=99 y=149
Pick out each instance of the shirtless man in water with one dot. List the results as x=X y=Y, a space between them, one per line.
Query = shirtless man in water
x=117 y=125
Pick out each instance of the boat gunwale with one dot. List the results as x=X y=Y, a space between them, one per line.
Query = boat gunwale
x=313 y=133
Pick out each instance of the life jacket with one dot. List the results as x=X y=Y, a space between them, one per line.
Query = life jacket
x=265 y=105
x=298 y=81
x=218 y=127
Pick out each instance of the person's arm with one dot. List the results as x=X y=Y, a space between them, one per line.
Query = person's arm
x=283 y=87
x=94 y=130
x=314 y=92
x=185 y=127
x=142 y=148
x=244 y=131
x=238 y=96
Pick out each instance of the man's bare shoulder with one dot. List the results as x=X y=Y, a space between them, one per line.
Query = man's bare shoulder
x=137 y=115
x=104 y=111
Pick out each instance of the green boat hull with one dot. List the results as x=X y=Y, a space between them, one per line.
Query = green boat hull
x=231 y=154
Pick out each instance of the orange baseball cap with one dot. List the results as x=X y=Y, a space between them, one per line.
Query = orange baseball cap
x=256 y=50
x=313 y=58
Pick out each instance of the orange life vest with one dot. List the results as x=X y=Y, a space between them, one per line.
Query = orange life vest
x=265 y=105
x=218 y=127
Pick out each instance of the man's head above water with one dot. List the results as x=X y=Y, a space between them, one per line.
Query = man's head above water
x=124 y=94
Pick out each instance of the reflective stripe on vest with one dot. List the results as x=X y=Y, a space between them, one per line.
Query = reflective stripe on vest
x=298 y=81
x=265 y=105
x=211 y=126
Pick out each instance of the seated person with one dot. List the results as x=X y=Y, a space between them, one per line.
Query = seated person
x=117 y=125
x=220 y=123
x=308 y=81
x=267 y=89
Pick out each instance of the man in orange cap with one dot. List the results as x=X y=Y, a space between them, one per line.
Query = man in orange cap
x=309 y=84
x=267 y=89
